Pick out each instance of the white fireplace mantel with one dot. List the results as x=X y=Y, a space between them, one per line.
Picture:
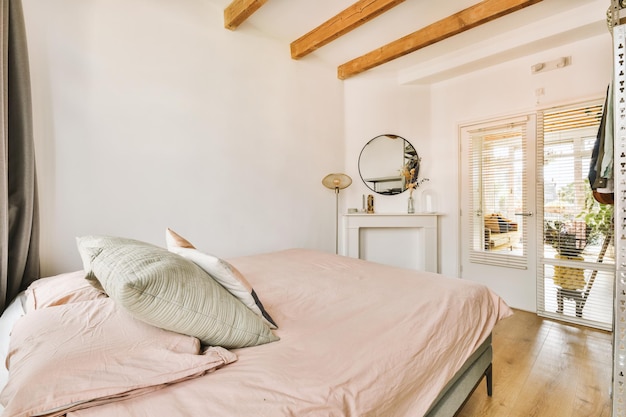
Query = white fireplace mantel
x=426 y=223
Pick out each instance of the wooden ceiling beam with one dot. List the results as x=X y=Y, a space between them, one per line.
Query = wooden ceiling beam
x=354 y=16
x=239 y=10
x=466 y=19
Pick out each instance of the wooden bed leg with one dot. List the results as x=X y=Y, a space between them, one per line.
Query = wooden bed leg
x=489 y=379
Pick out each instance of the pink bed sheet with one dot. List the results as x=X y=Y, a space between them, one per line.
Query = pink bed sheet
x=87 y=353
x=357 y=339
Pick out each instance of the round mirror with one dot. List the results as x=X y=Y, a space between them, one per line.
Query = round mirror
x=386 y=162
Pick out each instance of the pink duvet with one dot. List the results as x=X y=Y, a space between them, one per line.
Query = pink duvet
x=357 y=339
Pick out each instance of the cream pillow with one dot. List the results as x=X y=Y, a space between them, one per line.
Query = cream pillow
x=170 y=292
x=223 y=272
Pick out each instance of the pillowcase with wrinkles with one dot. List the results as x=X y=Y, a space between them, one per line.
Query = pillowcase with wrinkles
x=168 y=291
x=67 y=288
x=73 y=356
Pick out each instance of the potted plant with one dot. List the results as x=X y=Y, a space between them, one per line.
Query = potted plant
x=598 y=216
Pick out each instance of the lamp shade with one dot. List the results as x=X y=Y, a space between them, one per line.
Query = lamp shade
x=336 y=181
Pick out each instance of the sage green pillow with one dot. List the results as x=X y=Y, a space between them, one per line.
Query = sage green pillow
x=168 y=291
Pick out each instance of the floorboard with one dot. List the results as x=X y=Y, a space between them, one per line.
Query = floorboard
x=545 y=368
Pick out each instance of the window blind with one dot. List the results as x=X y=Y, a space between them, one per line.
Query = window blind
x=576 y=259
x=497 y=165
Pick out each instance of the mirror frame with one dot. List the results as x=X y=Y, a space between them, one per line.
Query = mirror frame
x=378 y=158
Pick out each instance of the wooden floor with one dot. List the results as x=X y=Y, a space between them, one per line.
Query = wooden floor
x=545 y=368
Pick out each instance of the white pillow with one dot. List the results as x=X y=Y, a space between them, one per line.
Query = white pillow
x=223 y=272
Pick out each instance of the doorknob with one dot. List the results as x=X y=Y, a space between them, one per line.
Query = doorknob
x=527 y=214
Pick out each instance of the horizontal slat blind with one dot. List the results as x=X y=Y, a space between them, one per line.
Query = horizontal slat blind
x=497 y=163
x=575 y=228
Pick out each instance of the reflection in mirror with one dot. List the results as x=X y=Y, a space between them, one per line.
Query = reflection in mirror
x=381 y=163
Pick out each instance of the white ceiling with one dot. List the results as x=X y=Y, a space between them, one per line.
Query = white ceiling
x=541 y=26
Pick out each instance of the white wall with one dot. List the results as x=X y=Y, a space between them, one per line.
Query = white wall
x=430 y=116
x=149 y=114
x=375 y=106
x=503 y=90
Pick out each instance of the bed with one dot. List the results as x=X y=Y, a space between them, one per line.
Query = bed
x=340 y=337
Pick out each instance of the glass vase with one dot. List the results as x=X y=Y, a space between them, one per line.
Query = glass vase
x=411 y=206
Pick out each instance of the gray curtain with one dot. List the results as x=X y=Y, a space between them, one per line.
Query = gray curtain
x=19 y=223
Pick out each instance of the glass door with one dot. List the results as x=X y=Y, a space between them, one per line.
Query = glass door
x=577 y=257
x=497 y=215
